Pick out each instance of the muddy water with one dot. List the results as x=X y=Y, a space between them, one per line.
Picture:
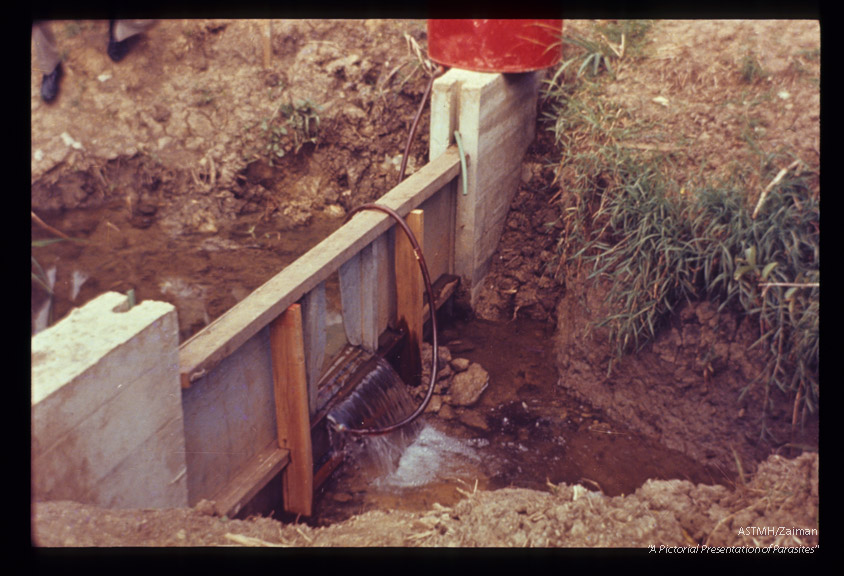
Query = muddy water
x=525 y=432
x=203 y=275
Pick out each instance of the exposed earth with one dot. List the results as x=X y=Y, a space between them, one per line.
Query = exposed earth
x=173 y=166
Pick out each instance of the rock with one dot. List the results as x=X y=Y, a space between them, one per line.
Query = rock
x=443 y=375
x=443 y=384
x=443 y=359
x=443 y=355
x=467 y=386
x=334 y=211
x=460 y=364
x=474 y=420
x=446 y=412
x=434 y=404
x=206 y=507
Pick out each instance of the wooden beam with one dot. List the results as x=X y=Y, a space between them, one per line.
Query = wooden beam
x=227 y=333
x=410 y=292
x=268 y=46
x=250 y=480
x=292 y=412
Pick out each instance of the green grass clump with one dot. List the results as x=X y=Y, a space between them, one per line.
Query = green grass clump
x=751 y=69
x=291 y=126
x=659 y=243
x=596 y=51
x=659 y=250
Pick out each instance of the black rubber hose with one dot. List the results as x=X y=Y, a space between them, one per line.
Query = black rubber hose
x=417 y=250
x=414 y=126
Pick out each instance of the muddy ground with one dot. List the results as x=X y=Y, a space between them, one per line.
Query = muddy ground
x=161 y=163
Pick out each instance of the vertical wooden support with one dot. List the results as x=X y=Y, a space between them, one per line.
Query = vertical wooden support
x=314 y=332
x=439 y=231
x=268 y=47
x=409 y=298
x=292 y=417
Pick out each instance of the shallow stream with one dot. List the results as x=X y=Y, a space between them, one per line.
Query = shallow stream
x=525 y=431
x=202 y=274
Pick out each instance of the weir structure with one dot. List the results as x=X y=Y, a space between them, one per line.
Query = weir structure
x=125 y=417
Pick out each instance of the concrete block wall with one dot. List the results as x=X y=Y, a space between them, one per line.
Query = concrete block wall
x=495 y=115
x=107 y=424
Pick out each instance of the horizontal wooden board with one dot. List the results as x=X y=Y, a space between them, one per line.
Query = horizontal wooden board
x=251 y=479
x=227 y=333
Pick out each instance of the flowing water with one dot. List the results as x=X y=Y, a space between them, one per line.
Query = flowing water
x=525 y=431
x=379 y=400
x=203 y=275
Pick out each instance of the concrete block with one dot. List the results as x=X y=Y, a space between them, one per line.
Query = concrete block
x=495 y=115
x=107 y=424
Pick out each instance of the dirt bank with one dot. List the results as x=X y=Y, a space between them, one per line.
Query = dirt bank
x=673 y=513
x=713 y=102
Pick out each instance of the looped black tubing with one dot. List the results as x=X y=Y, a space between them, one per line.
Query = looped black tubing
x=437 y=73
x=432 y=309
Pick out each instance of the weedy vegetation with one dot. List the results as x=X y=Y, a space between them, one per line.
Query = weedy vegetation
x=659 y=243
x=292 y=126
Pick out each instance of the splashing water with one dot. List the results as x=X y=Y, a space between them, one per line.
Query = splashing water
x=414 y=455
x=381 y=399
x=432 y=456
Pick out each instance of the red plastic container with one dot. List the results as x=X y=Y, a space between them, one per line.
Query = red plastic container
x=495 y=45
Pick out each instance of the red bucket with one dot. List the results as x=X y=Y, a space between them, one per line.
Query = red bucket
x=495 y=45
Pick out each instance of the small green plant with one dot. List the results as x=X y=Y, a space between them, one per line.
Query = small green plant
x=751 y=70
x=274 y=136
x=303 y=121
x=289 y=129
x=609 y=41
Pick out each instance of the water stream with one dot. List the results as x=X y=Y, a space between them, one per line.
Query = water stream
x=525 y=431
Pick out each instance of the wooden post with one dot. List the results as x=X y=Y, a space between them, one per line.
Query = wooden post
x=292 y=414
x=409 y=298
x=268 y=48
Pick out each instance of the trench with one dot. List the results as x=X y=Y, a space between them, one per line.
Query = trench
x=525 y=431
